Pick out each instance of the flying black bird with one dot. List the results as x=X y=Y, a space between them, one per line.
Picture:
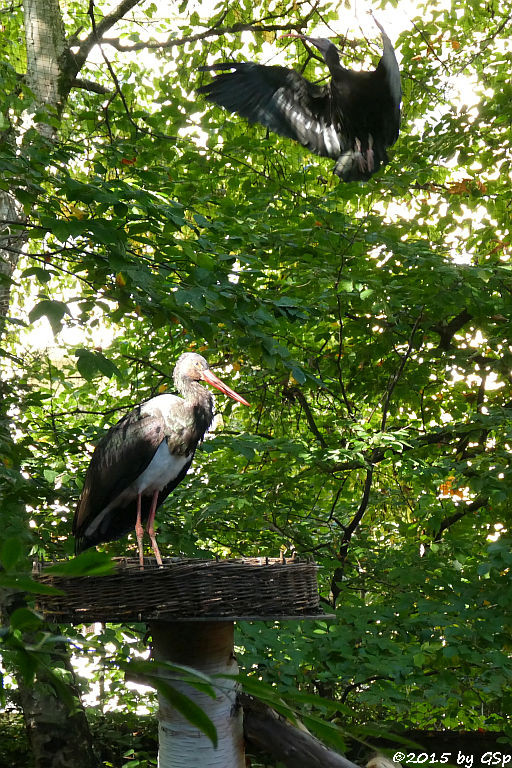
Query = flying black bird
x=352 y=119
x=144 y=457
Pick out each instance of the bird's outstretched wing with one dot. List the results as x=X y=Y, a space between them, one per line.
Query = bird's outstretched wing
x=281 y=100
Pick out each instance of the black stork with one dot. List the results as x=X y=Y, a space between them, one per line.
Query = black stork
x=352 y=119
x=144 y=456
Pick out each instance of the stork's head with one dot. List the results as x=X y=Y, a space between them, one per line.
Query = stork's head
x=327 y=49
x=322 y=43
x=193 y=367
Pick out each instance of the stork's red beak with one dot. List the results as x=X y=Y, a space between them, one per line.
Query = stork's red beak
x=214 y=380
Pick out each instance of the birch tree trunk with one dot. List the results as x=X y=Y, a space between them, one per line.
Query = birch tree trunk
x=57 y=727
x=45 y=47
x=11 y=243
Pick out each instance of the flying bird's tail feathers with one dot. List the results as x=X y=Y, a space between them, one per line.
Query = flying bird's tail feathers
x=353 y=166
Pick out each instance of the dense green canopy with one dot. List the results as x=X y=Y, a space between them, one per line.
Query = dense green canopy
x=367 y=324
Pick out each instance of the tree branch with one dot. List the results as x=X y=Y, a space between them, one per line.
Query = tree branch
x=376 y=454
x=352 y=526
x=268 y=732
x=99 y=30
x=398 y=373
x=478 y=503
x=294 y=392
x=90 y=85
x=174 y=42
x=96 y=35
x=355 y=686
x=448 y=330
x=443 y=436
x=349 y=531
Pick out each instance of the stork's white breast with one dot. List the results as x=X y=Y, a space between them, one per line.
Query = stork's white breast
x=161 y=470
x=162 y=406
x=163 y=467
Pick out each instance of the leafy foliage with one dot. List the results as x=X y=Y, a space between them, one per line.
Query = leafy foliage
x=368 y=325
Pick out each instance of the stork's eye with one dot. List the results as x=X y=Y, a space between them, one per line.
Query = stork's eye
x=196 y=370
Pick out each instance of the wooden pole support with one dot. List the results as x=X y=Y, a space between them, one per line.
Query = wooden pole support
x=208 y=647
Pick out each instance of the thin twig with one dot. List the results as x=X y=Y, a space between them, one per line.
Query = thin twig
x=398 y=373
x=110 y=68
x=296 y=392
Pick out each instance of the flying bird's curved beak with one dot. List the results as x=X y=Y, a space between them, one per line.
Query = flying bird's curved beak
x=214 y=380
x=292 y=34
x=321 y=43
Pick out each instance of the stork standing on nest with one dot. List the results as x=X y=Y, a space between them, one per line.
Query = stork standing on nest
x=352 y=119
x=144 y=457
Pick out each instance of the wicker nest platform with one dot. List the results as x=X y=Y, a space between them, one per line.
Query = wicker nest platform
x=186 y=590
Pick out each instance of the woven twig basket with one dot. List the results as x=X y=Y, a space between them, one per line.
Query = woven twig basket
x=187 y=590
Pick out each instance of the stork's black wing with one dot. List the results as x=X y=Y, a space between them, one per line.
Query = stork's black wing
x=281 y=100
x=120 y=456
x=389 y=71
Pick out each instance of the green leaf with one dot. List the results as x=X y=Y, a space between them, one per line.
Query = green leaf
x=152 y=668
x=298 y=374
x=93 y=364
x=106 y=366
x=86 y=364
x=202 y=221
x=11 y=552
x=26 y=584
x=188 y=708
x=43 y=275
x=53 y=310
x=25 y=620
x=88 y=563
x=329 y=733
x=50 y=475
x=25 y=197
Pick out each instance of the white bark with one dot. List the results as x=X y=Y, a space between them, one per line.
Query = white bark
x=44 y=36
x=45 y=45
x=208 y=647
x=11 y=242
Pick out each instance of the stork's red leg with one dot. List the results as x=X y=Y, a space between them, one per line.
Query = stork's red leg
x=150 y=529
x=370 y=157
x=139 y=530
x=358 y=156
